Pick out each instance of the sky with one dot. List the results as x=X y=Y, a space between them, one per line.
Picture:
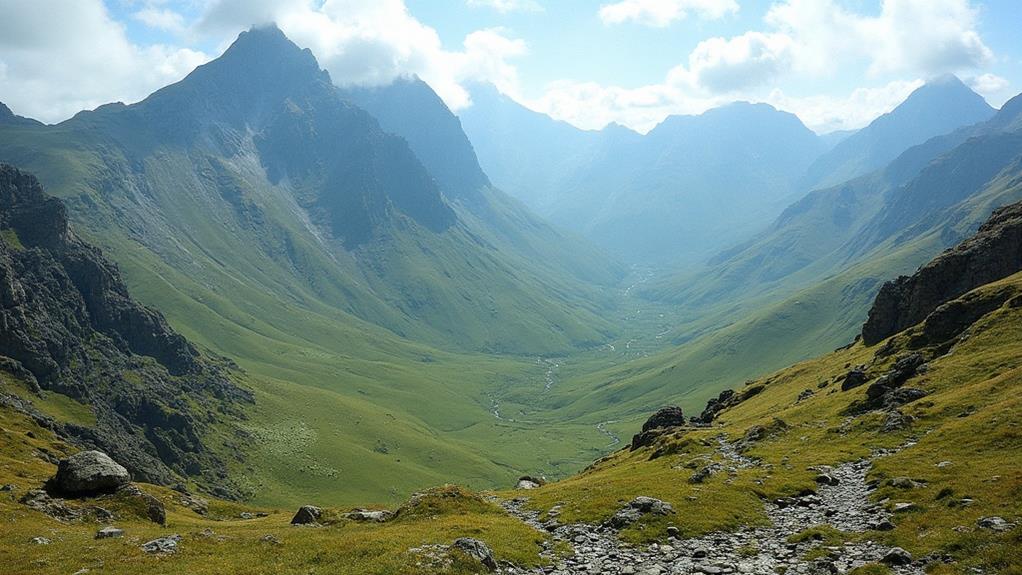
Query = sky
x=837 y=64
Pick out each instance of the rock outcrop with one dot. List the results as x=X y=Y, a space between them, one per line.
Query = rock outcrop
x=68 y=325
x=995 y=252
x=307 y=515
x=664 y=418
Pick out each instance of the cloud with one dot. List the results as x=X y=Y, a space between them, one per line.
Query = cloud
x=372 y=42
x=925 y=37
x=829 y=113
x=662 y=13
x=507 y=6
x=161 y=19
x=54 y=67
x=720 y=65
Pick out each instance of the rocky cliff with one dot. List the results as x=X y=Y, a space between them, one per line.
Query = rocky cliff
x=68 y=325
x=995 y=252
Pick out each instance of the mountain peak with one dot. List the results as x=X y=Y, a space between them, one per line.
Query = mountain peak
x=942 y=94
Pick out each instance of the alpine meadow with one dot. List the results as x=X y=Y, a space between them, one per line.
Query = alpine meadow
x=529 y=287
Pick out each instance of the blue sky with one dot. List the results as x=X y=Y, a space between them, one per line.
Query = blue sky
x=835 y=63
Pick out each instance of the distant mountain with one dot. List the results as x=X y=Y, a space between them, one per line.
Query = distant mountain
x=938 y=107
x=69 y=326
x=9 y=118
x=411 y=109
x=693 y=185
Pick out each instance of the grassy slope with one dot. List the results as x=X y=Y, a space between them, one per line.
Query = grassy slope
x=972 y=418
x=290 y=324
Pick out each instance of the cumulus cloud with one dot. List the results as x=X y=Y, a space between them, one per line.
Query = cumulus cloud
x=506 y=6
x=991 y=86
x=808 y=41
x=161 y=19
x=662 y=13
x=54 y=67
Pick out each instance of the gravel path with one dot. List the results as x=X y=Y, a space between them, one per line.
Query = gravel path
x=843 y=504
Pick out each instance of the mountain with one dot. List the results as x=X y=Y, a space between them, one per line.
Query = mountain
x=693 y=185
x=274 y=222
x=139 y=390
x=938 y=107
x=411 y=109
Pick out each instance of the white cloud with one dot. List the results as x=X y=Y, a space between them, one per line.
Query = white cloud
x=661 y=13
x=720 y=65
x=991 y=86
x=507 y=6
x=55 y=67
x=924 y=37
x=372 y=42
x=161 y=19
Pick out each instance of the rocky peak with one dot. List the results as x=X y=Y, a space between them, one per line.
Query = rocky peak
x=993 y=253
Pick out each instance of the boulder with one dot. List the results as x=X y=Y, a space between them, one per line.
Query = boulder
x=995 y=524
x=307 y=515
x=378 y=516
x=477 y=550
x=162 y=544
x=89 y=473
x=529 y=482
x=897 y=556
x=665 y=417
x=638 y=507
x=109 y=532
x=854 y=378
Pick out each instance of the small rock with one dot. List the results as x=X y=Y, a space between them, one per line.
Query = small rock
x=944 y=464
x=995 y=524
x=477 y=550
x=307 y=515
x=673 y=531
x=40 y=541
x=246 y=515
x=827 y=479
x=109 y=532
x=271 y=539
x=6 y=488
x=162 y=545
x=379 y=516
x=897 y=556
x=902 y=507
x=884 y=525
x=904 y=483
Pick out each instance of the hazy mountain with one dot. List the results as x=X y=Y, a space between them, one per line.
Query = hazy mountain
x=412 y=110
x=938 y=107
x=694 y=184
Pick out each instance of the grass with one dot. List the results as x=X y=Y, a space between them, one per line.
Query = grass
x=230 y=544
x=972 y=417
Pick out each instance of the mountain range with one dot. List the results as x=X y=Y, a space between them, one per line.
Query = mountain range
x=262 y=287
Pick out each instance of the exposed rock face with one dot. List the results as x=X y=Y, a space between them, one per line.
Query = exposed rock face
x=67 y=324
x=89 y=473
x=715 y=406
x=664 y=418
x=477 y=550
x=995 y=252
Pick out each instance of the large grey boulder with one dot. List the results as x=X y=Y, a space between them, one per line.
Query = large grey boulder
x=307 y=515
x=89 y=473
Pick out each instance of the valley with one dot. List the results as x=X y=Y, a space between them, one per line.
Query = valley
x=269 y=320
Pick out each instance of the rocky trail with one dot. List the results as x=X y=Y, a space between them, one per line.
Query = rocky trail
x=841 y=501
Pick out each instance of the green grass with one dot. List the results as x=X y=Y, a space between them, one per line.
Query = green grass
x=972 y=417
